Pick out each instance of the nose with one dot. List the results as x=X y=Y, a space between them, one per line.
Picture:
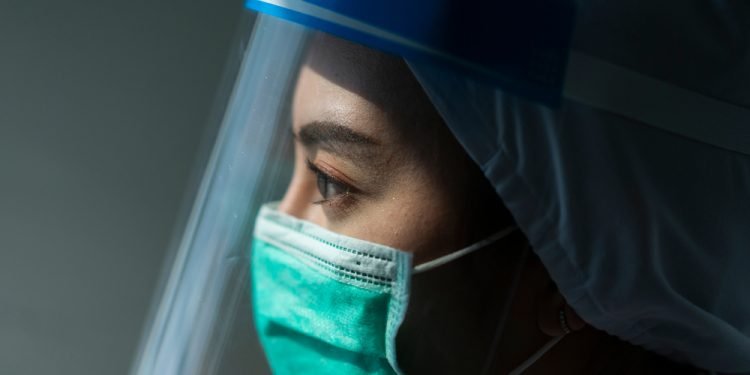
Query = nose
x=300 y=192
x=292 y=203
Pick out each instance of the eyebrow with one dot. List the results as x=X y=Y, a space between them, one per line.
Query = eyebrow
x=337 y=139
x=317 y=132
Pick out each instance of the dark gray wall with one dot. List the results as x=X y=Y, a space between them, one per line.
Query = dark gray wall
x=103 y=105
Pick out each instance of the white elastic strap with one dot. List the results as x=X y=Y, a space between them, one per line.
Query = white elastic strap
x=465 y=251
x=506 y=310
x=535 y=357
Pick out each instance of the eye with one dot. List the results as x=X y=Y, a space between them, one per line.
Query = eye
x=328 y=186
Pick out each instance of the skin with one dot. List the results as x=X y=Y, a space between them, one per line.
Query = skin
x=391 y=185
x=374 y=161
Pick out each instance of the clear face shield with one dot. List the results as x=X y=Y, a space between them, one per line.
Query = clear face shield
x=389 y=252
x=202 y=323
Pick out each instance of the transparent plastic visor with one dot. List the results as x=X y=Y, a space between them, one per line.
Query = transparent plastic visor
x=201 y=323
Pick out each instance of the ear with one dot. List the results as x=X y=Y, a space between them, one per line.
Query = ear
x=549 y=304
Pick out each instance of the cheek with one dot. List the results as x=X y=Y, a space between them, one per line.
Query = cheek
x=418 y=216
x=431 y=227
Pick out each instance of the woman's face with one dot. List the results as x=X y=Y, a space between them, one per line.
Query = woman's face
x=372 y=158
x=374 y=161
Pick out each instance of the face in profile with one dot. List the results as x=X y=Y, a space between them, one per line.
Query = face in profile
x=374 y=161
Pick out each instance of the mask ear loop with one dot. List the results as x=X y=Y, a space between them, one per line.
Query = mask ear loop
x=506 y=308
x=426 y=266
x=501 y=326
x=535 y=357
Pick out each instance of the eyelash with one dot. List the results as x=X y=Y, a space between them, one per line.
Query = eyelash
x=328 y=179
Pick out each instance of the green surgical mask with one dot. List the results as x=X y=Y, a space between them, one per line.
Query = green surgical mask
x=325 y=303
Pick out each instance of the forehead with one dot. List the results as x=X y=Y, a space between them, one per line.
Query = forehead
x=370 y=73
x=348 y=84
x=318 y=99
x=357 y=86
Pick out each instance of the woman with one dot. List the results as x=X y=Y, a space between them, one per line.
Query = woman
x=375 y=162
x=441 y=219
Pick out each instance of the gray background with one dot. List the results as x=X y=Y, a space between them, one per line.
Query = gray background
x=104 y=106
